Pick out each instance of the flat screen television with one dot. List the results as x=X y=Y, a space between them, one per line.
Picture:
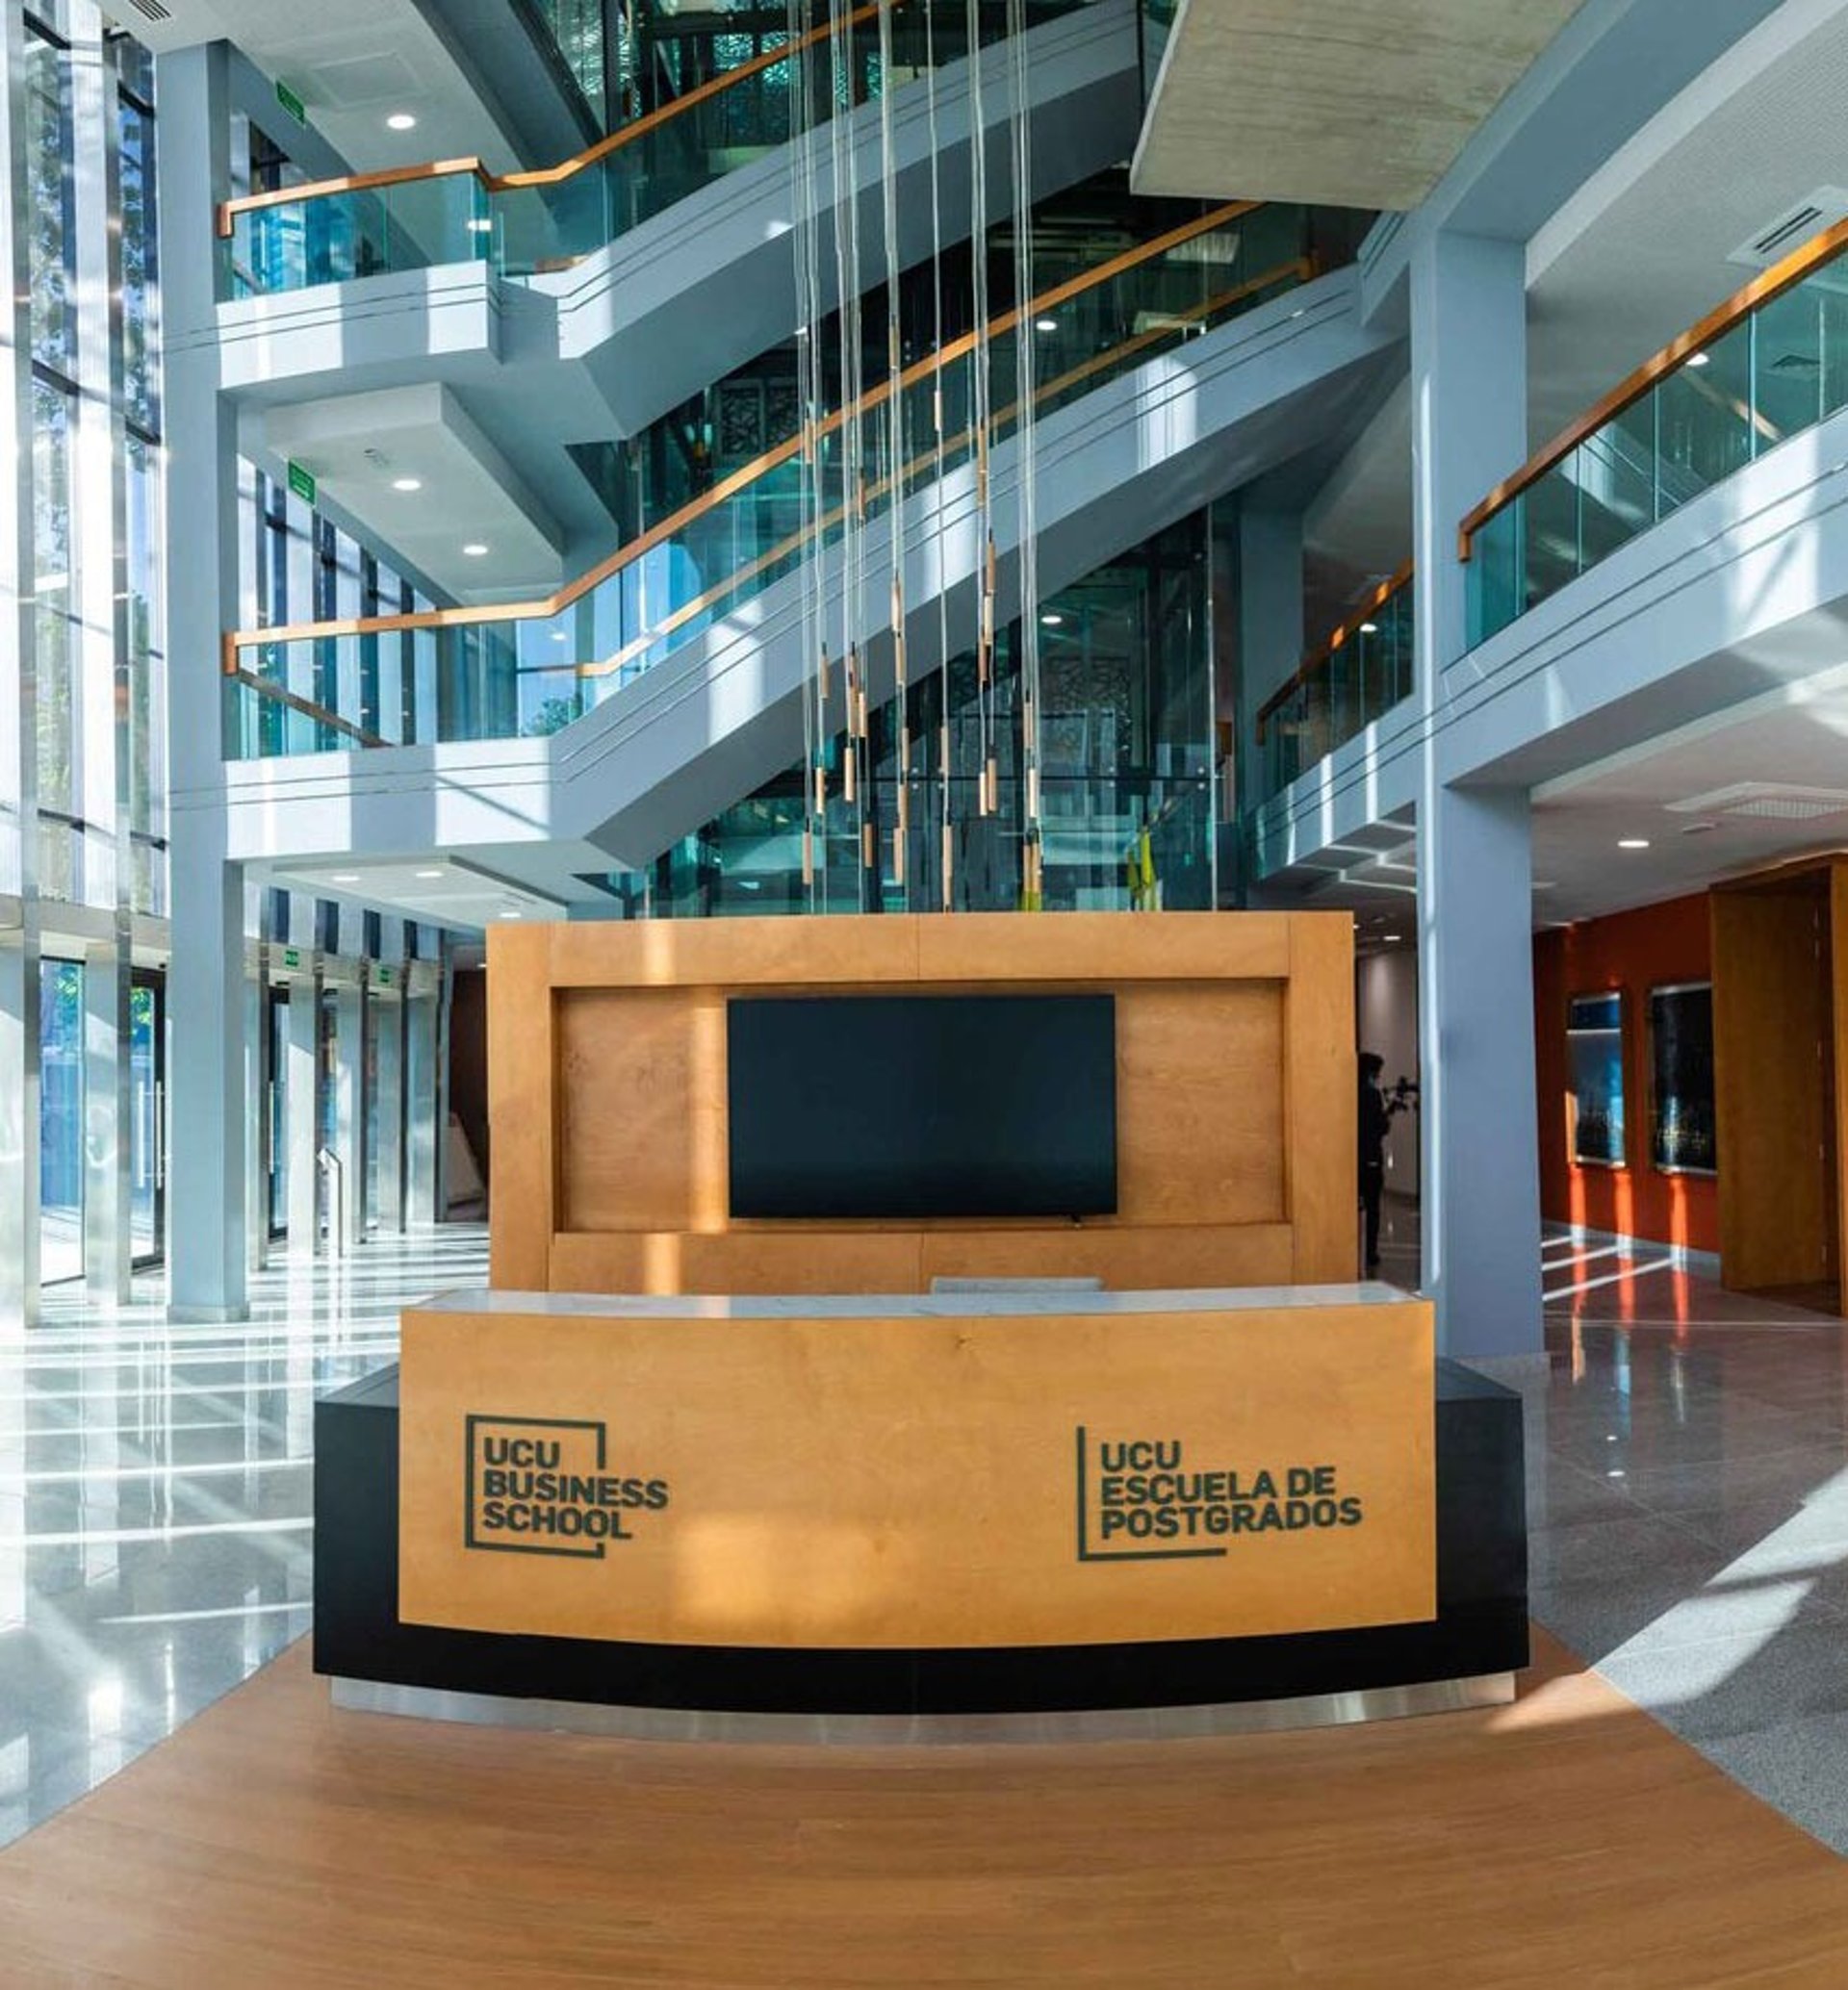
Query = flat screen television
x=911 y=1106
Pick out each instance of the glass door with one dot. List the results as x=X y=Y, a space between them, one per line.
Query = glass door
x=147 y=1116
x=61 y=1120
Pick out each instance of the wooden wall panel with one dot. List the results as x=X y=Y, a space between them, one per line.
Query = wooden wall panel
x=1770 y=1009
x=1199 y=1103
x=1321 y=1101
x=1236 y=1098
x=522 y=1089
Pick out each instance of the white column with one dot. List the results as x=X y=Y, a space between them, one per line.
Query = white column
x=1480 y=1173
x=19 y=1000
x=391 y=1011
x=426 y=1131
x=1270 y=633
x=209 y=1143
x=349 y=1111
x=304 y=1113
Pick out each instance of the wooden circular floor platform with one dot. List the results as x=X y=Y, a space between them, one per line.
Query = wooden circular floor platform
x=1567 y=1840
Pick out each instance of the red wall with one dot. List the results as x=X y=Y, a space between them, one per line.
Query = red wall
x=1635 y=951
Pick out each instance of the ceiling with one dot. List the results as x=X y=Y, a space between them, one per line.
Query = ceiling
x=1751 y=787
x=353 y=64
x=438 y=890
x=361 y=446
x=1357 y=103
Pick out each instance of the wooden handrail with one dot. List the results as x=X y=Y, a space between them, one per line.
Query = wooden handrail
x=551 y=175
x=677 y=522
x=1760 y=291
x=1318 y=660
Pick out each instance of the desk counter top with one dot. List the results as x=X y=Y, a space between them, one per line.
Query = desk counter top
x=1003 y=1303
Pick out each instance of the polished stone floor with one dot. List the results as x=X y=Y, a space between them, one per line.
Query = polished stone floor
x=1687 y=1501
x=155 y=1494
x=1688 y=1498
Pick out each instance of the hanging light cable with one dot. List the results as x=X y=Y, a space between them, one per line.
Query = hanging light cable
x=895 y=456
x=1026 y=337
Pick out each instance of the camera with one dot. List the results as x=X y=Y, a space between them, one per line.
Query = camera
x=1403 y=1097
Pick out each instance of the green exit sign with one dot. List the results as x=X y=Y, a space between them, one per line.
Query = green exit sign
x=384 y=978
x=301 y=481
x=291 y=103
x=291 y=956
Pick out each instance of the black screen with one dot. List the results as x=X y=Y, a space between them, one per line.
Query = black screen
x=922 y=1105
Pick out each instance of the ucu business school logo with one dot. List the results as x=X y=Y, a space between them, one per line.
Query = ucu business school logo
x=544 y=1485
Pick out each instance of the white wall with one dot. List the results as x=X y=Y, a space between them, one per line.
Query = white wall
x=1386 y=1018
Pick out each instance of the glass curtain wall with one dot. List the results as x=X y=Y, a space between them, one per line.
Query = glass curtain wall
x=85 y=846
x=1126 y=666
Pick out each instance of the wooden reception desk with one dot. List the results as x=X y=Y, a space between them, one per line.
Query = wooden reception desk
x=992 y=1503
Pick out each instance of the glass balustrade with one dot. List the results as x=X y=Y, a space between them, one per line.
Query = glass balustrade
x=529 y=224
x=1778 y=369
x=1340 y=693
x=506 y=671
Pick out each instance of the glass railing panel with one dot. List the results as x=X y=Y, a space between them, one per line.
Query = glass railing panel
x=1365 y=672
x=1550 y=551
x=1692 y=418
x=1497 y=592
x=1615 y=471
x=1706 y=427
x=336 y=238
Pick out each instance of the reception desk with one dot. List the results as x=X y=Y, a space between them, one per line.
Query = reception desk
x=685 y=1510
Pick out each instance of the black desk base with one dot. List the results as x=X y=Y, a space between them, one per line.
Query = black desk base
x=1477 y=1638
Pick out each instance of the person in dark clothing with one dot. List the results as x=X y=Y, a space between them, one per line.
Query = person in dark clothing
x=1376 y=1117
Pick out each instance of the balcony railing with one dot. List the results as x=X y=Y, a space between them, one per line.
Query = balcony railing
x=1768 y=364
x=1363 y=670
x=528 y=223
x=520 y=669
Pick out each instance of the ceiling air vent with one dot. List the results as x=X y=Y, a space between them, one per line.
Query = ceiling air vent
x=1810 y=216
x=152 y=9
x=1766 y=800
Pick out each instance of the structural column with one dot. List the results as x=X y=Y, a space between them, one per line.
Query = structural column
x=303 y=1065
x=1480 y=1174
x=389 y=1075
x=426 y=1127
x=1270 y=632
x=347 y=1223
x=206 y=1193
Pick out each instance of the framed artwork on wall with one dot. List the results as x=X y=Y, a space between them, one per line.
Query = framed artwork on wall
x=1595 y=1073
x=1683 y=1135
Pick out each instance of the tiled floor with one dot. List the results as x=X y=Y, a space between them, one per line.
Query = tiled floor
x=1688 y=1498
x=155 y=1503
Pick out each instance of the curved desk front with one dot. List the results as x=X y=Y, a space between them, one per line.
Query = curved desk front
x=978 y=1503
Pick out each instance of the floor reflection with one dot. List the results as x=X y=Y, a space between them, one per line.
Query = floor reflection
x=155 y=1503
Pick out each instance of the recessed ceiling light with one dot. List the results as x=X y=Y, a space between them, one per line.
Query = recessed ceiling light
x=1051 y=621
x=1699 y=359
x=407 y=483
x=510 y=913
x=430 y=874
x=345 y=877
x=1046 y=324
x=1633 y=843
x=481 y=225
x=475 y=550
x=559 y=636
x=1370 y=628
x=401 y=120
x=1390 y=937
